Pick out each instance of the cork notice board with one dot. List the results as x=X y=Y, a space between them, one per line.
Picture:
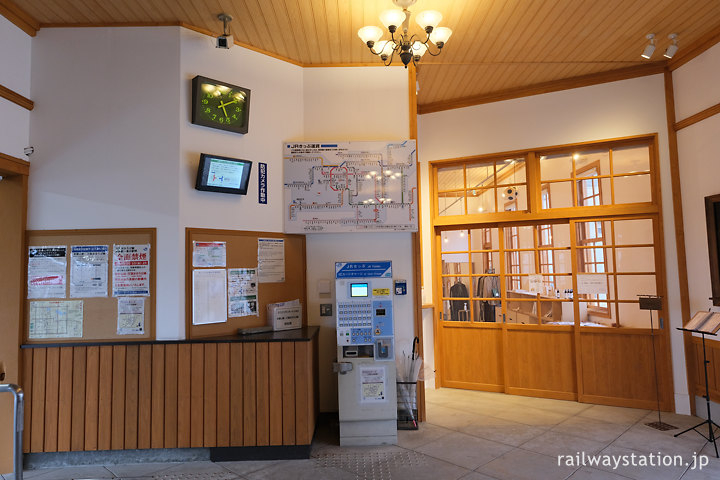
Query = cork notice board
x=100 y=314
x=242 y=252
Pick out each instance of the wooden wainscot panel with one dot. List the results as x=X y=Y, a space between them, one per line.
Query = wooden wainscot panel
x=223 y=395
x=132 y=358
x=712 y=348
x=541 y=362
x=618 y=369
x=470 y=358
x=169 y=395
x=77 y=436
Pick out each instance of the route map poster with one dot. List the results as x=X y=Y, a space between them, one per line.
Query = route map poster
x=350 y=187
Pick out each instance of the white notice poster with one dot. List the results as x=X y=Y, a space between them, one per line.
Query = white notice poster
x=56 y=319
x=209 y=296
x=131 y=270
x=209 y=254
x=592 y=283
x=535 y=283
x=271 y=260
x=131 y=316
x=242 y=292
x=89 y=271
x=373 y=385
x=46 y=271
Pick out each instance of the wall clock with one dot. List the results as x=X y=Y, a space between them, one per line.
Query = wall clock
x=220 y=105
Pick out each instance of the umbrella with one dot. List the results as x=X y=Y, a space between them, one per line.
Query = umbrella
x=408 y=374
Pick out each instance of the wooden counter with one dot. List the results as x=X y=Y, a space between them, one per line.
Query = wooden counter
x=221 y=392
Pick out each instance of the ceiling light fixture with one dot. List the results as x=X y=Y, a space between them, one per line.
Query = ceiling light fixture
x=672 y=49
x=410 y=48
x=650 y=49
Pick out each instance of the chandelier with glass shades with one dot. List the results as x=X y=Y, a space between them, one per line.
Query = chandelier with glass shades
x=408 y=47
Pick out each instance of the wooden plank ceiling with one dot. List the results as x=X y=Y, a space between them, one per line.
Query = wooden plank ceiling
x=496 y=46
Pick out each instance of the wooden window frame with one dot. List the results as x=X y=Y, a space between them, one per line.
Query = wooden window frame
x=536 y=215
x=549 y=253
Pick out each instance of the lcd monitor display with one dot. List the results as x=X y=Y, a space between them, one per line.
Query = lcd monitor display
x=223 y=174
x=358 y=289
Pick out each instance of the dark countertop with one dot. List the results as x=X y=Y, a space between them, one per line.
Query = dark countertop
x=304 y=334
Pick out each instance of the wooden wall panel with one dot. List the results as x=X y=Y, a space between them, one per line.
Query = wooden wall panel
x=541 y=362
x=210 y=396
x=262 y=397
x=471 y=359
x=197 y=371
x=288 y=393
x=117 y=434
x=105 y=398
x=37 y=428
x=157 y=409
x=183 y=396
x=302 y=394
x=92 y=385
x=65 y=395
x=236 y=395
x=77 y=411
x=170 y=395
x=52 y=373
x=132 y=365
x=27 y=365
x=144 y=396
x=223 y=395
x=625 y=374
x=712 y=348
x=249 y=392
x=275 y=392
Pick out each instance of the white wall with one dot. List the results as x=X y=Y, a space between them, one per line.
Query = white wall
x=106 y=141
x=696 y=88
x=347 y=104
x=276 y=116
x=611 y=110
x=15 y=57
x=115 y=147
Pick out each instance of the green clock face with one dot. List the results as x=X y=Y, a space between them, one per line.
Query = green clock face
x=220 y=105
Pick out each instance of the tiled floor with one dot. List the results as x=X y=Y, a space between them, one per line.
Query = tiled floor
x=470 y=436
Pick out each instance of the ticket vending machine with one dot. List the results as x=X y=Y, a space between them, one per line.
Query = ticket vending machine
x=367 y=397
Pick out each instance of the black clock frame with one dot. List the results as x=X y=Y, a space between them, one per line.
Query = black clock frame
x=196 y=100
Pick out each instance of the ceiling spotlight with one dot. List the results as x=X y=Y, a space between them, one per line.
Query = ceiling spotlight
x=647 y=53
x=672 y=49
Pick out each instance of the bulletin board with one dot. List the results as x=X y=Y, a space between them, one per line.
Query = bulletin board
x=100 y=314
x=242 y=252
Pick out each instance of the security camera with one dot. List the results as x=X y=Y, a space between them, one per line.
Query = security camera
x=224 y=41
x=29 y=150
